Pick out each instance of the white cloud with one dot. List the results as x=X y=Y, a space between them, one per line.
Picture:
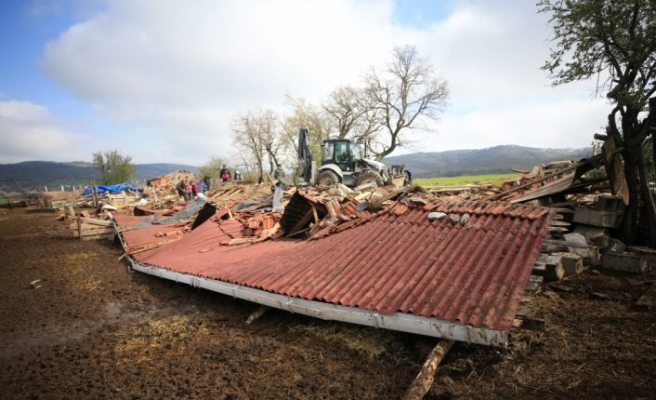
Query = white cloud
x=564 y=124
x=170 y=75
x=30 y=132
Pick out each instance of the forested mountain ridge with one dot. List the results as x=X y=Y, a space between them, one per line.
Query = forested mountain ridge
x=493 y=160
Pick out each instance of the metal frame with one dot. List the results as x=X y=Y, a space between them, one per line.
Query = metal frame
x=397 y=321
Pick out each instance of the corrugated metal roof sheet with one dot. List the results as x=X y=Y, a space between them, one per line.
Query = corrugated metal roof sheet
x=395 y=261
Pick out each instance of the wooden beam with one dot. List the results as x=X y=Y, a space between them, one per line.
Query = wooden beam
x=557 y=173
x=257 y=314
x=424 y=379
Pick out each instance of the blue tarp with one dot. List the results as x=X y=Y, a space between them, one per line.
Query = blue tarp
x=111 y=188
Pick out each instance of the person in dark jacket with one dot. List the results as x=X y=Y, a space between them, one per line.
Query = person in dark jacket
x=180 y=187
x=408 y=178
x=225 y=174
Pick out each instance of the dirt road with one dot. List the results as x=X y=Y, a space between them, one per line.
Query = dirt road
x=90 y=328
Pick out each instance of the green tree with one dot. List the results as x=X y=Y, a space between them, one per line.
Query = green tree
x=304 y=115
x=615 y=42
x=113 y=166
x=212 y=167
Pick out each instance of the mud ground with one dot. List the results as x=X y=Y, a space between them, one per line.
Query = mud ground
x=92 y=329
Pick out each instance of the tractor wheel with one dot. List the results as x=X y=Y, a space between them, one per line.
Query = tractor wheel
x=327 y=178
x=369 y=176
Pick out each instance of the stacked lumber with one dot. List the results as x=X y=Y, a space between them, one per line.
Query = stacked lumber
x=86 y=227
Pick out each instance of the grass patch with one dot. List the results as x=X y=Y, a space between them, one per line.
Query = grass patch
x=368 y=342
x=150 y=338
x=486 y=180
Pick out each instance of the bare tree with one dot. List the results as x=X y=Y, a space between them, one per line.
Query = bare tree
x=257 y=134
x=404 y=94
x=268 y=126
x=246 y=139
x=352 y=113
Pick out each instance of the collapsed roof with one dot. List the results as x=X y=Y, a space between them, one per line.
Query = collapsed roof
x=453 y=270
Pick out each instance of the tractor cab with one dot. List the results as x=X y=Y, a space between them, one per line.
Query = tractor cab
x=341 y=152
x=343 y=162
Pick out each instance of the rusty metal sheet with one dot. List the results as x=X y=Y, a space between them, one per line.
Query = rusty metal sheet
x=473 y=273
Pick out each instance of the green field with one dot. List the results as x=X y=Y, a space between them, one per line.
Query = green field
x=486 y=180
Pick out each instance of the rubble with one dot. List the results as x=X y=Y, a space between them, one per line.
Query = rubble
x=624 y=261
x=581 y=218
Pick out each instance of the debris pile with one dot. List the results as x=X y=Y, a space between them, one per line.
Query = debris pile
x=162 y=190
x=313 y=212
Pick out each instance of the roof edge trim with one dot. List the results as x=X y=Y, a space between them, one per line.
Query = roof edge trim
x=398 y=321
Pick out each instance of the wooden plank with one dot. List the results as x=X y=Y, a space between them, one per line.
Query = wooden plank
x=98 y=237
x=95 y=221
x=524 y=186
x=615 y=170
x=96 y=231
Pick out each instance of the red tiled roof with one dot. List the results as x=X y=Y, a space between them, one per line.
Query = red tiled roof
x=395 y=261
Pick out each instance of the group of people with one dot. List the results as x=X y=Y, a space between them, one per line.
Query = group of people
x=189 y=190
x=226 y=176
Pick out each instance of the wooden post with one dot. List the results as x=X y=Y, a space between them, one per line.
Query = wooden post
x=156 y=201
x=79 y=228
x=424 y=379
x=94 y=194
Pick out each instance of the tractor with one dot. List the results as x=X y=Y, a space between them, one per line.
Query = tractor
x=343 y=162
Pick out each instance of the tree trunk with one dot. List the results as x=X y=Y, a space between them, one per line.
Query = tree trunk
x=653 y=152
x=632 y=217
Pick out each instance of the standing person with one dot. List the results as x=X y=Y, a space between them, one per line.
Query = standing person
x=207 y=182
x=225 y=174
x=189 y=191
x=237 y=176
x=194 y=190
x=201 y=186
x=408 y=178
x=278 y=173
x=180 y=187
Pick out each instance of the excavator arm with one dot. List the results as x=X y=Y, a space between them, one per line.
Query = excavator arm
x=304 y=170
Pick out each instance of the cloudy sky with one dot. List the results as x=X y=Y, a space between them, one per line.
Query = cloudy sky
x=160 y=80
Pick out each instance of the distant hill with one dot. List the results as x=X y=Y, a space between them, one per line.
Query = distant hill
x=493 y=160
x=34 y=174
